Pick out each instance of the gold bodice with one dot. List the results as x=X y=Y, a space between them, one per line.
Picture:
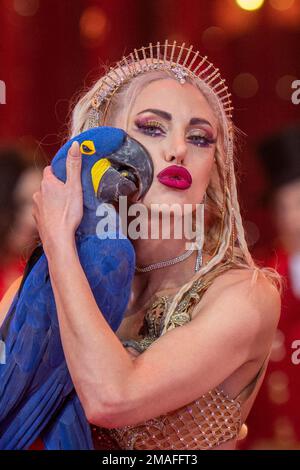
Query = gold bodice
x=209 y=421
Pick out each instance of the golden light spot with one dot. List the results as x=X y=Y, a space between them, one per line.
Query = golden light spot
x=282 y=5
x=284 y=432
x=278 y=390
x=2 y=92
x=234 y=20
x=278 y=351
x=250 y=5
x=94 y=25
x=285 y=14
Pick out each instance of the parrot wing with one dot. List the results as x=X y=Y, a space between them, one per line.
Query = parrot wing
x=70 y=429
x=35 y=383
x=109 y=265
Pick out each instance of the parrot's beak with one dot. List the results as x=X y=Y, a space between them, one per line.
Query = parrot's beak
x=126 y=172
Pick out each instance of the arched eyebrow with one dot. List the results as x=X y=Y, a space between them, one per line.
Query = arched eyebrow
x=168 y=117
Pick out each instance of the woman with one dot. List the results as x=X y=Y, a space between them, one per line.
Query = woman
x=146 y=395
x=19 y=179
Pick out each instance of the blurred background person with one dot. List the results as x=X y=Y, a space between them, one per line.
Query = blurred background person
x=19 y=179
x=274 y=422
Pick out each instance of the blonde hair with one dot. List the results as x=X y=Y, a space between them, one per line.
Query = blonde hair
x=219 y=233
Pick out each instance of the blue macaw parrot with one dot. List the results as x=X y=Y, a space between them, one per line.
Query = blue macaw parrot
x=37 y=396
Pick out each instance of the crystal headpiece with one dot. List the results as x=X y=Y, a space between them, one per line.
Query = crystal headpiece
x=183 y=62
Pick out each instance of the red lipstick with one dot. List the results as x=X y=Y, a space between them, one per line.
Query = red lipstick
x=175 y=177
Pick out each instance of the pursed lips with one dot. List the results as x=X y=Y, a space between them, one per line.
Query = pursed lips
x=175 y=177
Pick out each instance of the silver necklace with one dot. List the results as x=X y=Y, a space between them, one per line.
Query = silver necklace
x=170 y=262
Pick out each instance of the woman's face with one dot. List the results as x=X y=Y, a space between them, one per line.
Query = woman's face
x=177 y=126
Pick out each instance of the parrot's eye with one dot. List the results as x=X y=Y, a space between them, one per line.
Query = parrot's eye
x=87 y=147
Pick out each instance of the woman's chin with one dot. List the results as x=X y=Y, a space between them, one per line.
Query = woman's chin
x=168 y=198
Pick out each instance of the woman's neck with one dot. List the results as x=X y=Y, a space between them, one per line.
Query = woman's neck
x=153 y=251
x=167 y=278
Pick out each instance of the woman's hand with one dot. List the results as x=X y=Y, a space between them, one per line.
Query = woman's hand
x=58 y=206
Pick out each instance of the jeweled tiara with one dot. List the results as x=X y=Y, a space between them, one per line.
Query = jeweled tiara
x=181 y=61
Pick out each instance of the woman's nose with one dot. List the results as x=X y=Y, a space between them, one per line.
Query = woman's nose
x=177 y=152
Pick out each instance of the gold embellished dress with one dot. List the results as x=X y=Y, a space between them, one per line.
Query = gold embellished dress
x=209 y=421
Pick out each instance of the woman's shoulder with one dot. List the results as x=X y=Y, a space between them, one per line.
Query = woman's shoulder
x=247 y=292
x=253 y=285
x=253 y=281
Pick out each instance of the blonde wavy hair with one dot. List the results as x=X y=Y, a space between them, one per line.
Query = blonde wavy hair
x=223 y=239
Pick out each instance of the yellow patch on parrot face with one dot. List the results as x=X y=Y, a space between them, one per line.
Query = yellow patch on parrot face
x=87 y=147
x=98 y=170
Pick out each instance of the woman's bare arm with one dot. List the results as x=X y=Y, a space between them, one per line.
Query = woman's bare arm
x=116 y=390
x=8 y=298
x=235 y=328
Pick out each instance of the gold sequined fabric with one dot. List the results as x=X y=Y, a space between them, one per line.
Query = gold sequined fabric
x=207 y=422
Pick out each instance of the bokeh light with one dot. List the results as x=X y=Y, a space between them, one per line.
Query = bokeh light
x=252 y=233
x=94 y=25
x=285 y=432
x=278 y=351
x=284 y=13
x=284 y=87
x=245 y=85
x=233 y=20
x=26 y=7
x=282 y=5
x=214 y=38
x=250 y=5
x=2 y=92
x=278 y=387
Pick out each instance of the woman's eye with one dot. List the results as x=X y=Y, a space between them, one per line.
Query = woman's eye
x=202 y=141
x=152 y=129
x=155 y=129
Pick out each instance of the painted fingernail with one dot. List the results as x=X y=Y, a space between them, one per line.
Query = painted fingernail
x=74 y=149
